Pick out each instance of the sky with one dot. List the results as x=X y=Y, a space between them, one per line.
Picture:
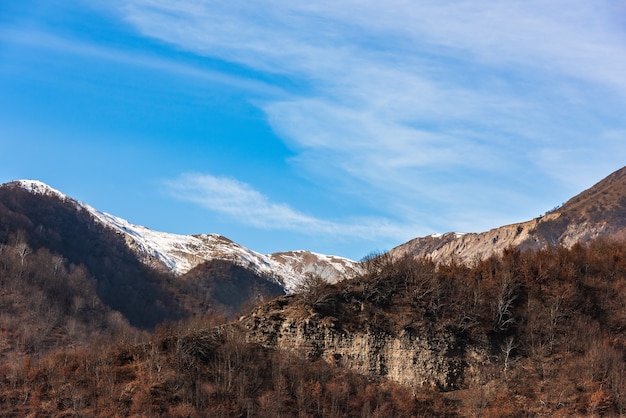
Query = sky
x=342 y=128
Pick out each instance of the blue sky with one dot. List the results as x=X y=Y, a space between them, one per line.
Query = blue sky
x=338 y=127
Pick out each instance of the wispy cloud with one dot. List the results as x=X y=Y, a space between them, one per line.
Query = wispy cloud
x=89 y=50
x=241 y=202
x=399 y=99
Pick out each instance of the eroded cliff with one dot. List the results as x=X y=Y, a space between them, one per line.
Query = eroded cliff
x=442 y=357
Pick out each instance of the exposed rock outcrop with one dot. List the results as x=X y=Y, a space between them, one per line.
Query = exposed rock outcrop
x=443 y=358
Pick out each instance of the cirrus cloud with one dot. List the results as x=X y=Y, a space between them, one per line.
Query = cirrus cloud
x=410 y=105
x=240 y=201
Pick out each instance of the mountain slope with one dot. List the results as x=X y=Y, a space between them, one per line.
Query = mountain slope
x=38 y=221
x=599 y=211
x=179 y=254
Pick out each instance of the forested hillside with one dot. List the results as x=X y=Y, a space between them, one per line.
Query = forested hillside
x=122 y=283
x=530 y=334
x=36 y=226
x=522 y=333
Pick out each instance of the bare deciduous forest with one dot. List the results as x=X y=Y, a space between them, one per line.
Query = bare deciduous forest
x=87 y=330
x=554 y=319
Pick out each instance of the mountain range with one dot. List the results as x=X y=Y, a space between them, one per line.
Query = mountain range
x=599 y=211
x=100 y=317
x=178 y=254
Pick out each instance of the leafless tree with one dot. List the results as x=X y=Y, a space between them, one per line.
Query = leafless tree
x=22 y=249
x=507 y=348
x=503 y=305
x=314 y=290
x=57 y=264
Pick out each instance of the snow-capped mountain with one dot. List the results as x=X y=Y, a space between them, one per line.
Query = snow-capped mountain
x=181 y=253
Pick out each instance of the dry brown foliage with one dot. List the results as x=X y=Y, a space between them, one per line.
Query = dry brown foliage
x=555 y=319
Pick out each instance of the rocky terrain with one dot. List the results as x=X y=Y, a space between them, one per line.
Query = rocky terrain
x=414 y=357
x=534 y=331
x=597 y=212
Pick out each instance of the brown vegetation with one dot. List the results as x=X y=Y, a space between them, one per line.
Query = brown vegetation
x=199 y=370
x=553 y=323
x=72 y=301
x=554 y=320
x=47 y=302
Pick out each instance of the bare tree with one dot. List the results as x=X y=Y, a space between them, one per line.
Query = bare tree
x=503 y=305
x=57 y=264
x=314 y=290
x=507 y=348
x=22 y=249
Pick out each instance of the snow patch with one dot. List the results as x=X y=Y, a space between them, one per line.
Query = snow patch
x=39 y=188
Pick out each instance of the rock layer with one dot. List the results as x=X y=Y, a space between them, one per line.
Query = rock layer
x=413 y=357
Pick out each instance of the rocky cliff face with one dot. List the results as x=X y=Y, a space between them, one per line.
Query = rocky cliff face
x=420 y=323
x=597 y=212
x=413 y=357
x=475 y=246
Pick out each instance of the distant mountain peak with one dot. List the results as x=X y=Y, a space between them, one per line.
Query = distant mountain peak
x=181 y=253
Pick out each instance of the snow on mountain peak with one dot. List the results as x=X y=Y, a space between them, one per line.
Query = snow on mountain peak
x=181 y=253
x=40 y=188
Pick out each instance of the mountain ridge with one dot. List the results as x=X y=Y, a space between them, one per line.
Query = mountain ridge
x=179 y=254
x=598 y=211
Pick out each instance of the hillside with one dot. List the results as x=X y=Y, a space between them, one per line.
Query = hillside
x=33 y=223
x=70 y=274
x=152 y=276
x=599 y=211
x=526 y=333
x=522 y=334
x=533 y=325
x=178 y=254
x=199 y=369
